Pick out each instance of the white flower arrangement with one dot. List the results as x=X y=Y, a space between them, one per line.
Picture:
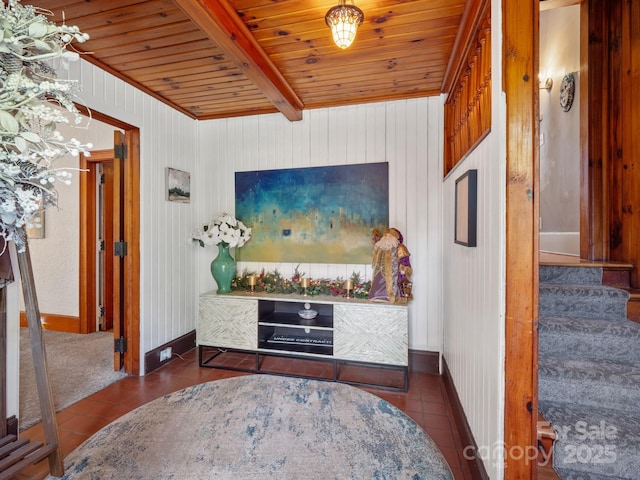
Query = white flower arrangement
x=30 y=95
x=224 y=229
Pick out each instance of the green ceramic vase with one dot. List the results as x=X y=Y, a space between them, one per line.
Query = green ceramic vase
x=223 y=268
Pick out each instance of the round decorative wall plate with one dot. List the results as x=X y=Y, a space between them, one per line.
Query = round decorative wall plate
x=567 y=90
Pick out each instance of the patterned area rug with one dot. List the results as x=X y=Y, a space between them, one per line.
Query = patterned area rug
x=261 y=426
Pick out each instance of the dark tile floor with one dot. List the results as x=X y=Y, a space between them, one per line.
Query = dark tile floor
x=425 y=401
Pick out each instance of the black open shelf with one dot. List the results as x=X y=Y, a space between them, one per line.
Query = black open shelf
x=295 y=339
x=285 y=318
x=270 y=311
x=281 y=328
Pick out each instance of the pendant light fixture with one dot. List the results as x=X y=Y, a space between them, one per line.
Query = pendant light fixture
x=343 y=20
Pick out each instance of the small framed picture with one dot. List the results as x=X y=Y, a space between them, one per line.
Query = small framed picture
x=466 y=209
x=178 y=185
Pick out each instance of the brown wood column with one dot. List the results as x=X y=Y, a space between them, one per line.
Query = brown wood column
x=610 y=116
x=520 y=33
x=595 y=113
x=627 y=161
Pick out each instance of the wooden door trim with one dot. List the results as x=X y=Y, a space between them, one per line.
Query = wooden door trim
x=132 y=226
x=594 y=117
x=132 y=260
x=520 y=58
x=118 y=266
x=88 y=246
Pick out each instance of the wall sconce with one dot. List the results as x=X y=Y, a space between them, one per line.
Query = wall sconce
x=344 y=20
x=548 y=83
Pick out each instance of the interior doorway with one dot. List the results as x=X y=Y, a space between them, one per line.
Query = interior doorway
x=560 y=127
x=109 y=262
x=96 y=227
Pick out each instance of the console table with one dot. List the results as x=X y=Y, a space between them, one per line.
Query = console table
x=344 y=331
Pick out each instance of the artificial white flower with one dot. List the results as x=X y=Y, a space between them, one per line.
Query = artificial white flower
x=224 y=229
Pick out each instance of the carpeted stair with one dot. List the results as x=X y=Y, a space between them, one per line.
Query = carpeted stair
x=589 y=375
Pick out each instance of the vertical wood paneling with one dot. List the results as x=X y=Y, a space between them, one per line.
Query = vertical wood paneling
x=356 y=134
x=473 y=301
x=168 y=138
x=431 y=146
x=407 y=134
x=623 y=143
x=594 y=105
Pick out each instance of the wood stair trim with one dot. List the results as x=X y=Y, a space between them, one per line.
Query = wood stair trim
x=615 y=266
x=545 y=430
x=18 y=454
x=559 y=260
x=546 y=437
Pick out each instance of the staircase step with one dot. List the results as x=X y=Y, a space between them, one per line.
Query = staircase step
x=552 y=274
x=583 y=301
x=594 y=443
x=590 y=339
x=589 y=370
x=592 y=383
x=614 y=274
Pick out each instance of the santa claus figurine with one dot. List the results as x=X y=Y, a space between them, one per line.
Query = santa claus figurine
x=391 y=268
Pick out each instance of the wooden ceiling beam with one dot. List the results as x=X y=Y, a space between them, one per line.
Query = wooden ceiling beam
x=223 y=26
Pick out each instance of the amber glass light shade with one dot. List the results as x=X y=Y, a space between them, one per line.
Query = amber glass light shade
x=343 y=20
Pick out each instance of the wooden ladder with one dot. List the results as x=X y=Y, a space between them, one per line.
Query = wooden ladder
x=17 y=454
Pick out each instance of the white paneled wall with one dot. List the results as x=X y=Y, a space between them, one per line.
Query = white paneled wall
x=167 y=139
x=173 y=272
x=474 y=300
x=460 y=285
x=474 y=284
x=407 y=134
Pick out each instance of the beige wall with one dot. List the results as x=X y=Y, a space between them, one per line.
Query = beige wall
x=560 y=132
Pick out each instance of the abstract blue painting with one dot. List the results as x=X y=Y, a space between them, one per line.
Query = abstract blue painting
x=313 y=215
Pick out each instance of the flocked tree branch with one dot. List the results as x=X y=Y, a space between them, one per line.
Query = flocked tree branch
x=32 y=103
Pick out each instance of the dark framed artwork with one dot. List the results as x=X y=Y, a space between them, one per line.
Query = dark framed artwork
x=177 y=185
x=313 y=214
x=466 y=209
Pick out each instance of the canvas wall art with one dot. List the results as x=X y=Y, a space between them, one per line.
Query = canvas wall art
x=178 y=185
x=313 y=215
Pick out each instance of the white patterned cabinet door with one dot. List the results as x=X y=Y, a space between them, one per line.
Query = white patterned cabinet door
x=371 y=333
x=228 y=322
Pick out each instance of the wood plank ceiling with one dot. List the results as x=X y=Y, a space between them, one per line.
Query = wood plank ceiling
x=225 y=58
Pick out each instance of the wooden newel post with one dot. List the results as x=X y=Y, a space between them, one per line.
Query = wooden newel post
x=47 y=407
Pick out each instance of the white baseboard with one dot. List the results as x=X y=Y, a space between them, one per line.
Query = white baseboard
x=566 y=243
